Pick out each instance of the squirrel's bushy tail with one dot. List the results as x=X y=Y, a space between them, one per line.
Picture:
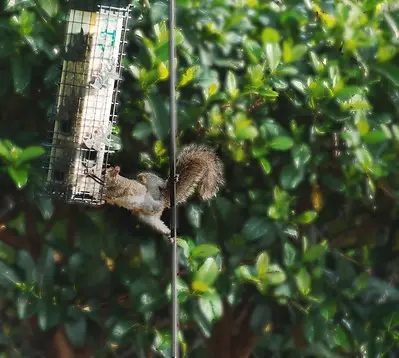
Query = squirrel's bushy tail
x=199 y=169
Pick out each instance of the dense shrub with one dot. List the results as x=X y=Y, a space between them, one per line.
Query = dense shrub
x=296 y=257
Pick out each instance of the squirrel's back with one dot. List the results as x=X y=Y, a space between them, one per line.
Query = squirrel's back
x=199 y=169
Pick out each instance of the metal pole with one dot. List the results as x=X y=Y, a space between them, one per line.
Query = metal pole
x=173 y=131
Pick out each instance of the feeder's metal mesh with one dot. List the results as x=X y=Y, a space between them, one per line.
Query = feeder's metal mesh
x=82 y=120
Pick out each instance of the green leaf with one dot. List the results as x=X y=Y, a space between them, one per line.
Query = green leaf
x=244 y=273
x=231 y=84
x=21 y=72
x=19 y=176
x=45 y=205
x=291 y=177
x=317 y=65
x=328 y=309
x=18 y=224
x=301 y=155
x=248 y=132
x=364 y=157
x=283 y=291
x=390 y=71
x=257 y=227
x=281 y=143
x=185 y=246
x=121 y=329
x=298 y=51
x=52 y=75
x=260 y=318
x=256 y=74
x=206 y=78
x=270 y=35
x=315 y=252
x=374 y=137
x=7 y=253
x=210 y=305
x=205 y=250
x=341 y=339
x=115 y=142
x=159 y=117
x=289 y=254
x=26 y=305
x=265 y=165
x=26 y=262
x=309 y=328
x=5 y=150
x=30 y=153
x=49 y=314
x=206 y=275
x=333 y=183
x=159 y=11
x=183 y=291
x=162 y=343
x=299 y=85
x=163 y=71
x=275 y=275
x=49 y=6
x=273 y=55
x=306 y=217
x=8 y=277
x=142 y=130
x=46 y=267
x=262 y=264
x=303 y=281
x=12 y=5
x=76 y=332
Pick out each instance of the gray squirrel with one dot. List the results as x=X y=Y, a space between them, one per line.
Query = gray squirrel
x=198 y=168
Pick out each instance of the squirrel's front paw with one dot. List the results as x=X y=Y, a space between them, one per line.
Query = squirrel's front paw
x=109 y=200
x=165 y=231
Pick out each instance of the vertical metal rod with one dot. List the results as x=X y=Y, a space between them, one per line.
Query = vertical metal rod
x=173 y=131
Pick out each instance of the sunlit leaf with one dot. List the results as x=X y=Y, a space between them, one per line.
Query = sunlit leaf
x=273 y=54
x=205 y=250
x=19 y=176
x=8 y=277
x=306 y=217
x=49 y=6
x=270 y=35
x=303 y=281
x=207 y=273
x=281 y=143
x=262 y=263
x=210 y=305
x=21 y=73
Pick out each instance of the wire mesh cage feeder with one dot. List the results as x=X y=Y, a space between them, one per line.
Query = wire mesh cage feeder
x=86 y=104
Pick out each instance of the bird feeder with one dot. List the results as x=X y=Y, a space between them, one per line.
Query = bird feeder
x=85 y=112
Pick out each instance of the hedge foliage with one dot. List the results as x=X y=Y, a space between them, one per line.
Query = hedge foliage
x=298 y=255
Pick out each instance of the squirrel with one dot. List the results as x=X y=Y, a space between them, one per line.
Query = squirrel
x=198 y=168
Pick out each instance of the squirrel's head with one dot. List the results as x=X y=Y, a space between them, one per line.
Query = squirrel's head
x=150 y=179
x=111 y=175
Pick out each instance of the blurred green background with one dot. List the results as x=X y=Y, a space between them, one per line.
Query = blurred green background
x=297 y=257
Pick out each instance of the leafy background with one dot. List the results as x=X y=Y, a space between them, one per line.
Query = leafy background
x=297 y=257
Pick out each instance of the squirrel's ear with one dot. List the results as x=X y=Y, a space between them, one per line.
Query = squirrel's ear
x=142 y=178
